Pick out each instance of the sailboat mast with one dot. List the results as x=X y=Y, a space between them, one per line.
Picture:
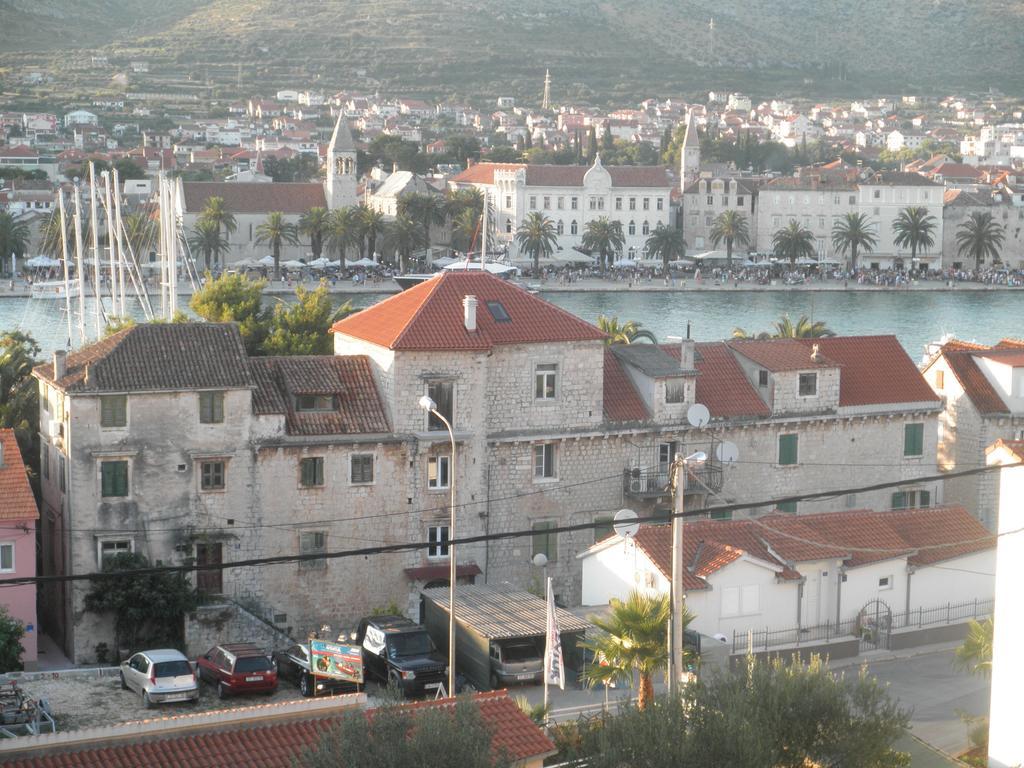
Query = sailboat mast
x=108 y=208
x=80 y=263
x=483 y=238
x=162 y=194
x=93 y=222
x=119 y=229
x=64 y=258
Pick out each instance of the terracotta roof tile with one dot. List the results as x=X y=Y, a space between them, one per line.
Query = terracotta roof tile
x=277 y=746
x=255 y=197
x=483 y=173
x=875 y=370
x=1010 y=344
x=959 y=357
x=429 y=316
x=19 y=502
x=621 y=400
x=158 y=357
x=722 y=386
x=350 y=378
x=856 y=529
x=780 y=354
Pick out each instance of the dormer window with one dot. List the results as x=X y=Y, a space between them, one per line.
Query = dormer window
x=497 y=309
x=762 y=378
x=808 y=384
x=675 y=390
x=315 y=403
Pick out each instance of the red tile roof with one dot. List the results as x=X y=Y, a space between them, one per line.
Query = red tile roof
x=780 y=354
x=19 y=502
x=959 y=357
x=621 y=400
x=875 y=370
x=429 y=316
x=483 y=173
x=279 y=745
x=255 y=197
x=349 y=377
x=1012 y=356
x=722 y=386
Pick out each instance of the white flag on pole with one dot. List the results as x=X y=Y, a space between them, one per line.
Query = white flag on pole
x=554 y=671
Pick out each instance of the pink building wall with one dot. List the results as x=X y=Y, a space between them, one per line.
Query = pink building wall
x=20 y=601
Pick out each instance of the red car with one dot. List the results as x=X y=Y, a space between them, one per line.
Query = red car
x=238 y=668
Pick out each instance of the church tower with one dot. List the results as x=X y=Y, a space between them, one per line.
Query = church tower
x=689 y=162
x=340 y=184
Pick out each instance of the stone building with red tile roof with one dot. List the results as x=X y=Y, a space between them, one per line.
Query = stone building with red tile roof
x=982 y=391
x=638 y=197
x=783 y=572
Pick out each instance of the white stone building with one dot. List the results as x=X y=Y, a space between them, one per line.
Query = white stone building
x=781 y=572
x=639 y=197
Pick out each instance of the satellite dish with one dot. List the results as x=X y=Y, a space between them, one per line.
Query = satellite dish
x=698 y=415
x=624 y=523
x=727 y=452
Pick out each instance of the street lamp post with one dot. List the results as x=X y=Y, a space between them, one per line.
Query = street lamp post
x=427 y=404
x=676 y=647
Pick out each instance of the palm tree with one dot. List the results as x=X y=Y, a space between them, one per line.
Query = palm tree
x=787 y=329
x=216 y=210
x=978 y=237
x=140 y=232
x=344 y=229
x=464 y=229
x=538 y=237
x=975 y=654
x=404 y=236
x=914 y=228
x=730 y=226
x=632 y=641
x=666 y=242
x=851 y=233
x=315 y=224
x=425 y=209
x=623 y=333
x=206 y=238
x=605 y=237
x=275 y=231
x=14 y=236
x=50 y=241
x=372 y=226
x=793 y=242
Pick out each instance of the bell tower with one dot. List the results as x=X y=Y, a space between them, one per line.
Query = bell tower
x=340 y=183
x=689 y=160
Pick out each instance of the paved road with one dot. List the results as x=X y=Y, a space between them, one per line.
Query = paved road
x=936 y=692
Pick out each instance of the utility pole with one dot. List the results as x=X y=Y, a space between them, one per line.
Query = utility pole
x=675 y=666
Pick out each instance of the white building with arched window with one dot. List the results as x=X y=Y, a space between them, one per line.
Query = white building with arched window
x=572 y=196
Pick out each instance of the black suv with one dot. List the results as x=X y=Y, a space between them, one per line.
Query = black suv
x=399 y=652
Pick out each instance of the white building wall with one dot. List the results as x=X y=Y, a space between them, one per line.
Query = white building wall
x=862 y=586
x=959 y=580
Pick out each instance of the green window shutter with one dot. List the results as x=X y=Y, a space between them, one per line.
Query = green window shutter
x=787 y=506
x=114 y=478
x=788 y=449
x=913 y=439
x=899 y=500
x=924 y=498
x=113 y=411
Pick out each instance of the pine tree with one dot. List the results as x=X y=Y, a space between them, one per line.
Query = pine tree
x=591 y=145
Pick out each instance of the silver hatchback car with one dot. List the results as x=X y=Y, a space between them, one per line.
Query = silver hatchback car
x=161 y=677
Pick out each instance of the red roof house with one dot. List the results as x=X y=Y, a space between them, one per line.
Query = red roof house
x=18 y=516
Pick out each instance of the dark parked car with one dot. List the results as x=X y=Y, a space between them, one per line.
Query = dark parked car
x=399 y=652
x=293 y=664
x=237 y=668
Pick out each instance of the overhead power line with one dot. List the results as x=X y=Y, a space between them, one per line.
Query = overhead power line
x=519 y=534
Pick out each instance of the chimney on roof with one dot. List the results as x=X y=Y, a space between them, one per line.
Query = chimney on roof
x=687 y=350
x=469 y=162
x=469 y=312
x=60 y=364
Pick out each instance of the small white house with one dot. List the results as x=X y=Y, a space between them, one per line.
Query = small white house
x=783 y=571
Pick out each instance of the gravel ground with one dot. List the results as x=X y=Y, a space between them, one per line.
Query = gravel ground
x=85 y=702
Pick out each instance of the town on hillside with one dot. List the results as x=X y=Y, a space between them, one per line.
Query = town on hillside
x=245 y=521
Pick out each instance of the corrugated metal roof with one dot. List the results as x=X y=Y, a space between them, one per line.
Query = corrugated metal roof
x=503 y=615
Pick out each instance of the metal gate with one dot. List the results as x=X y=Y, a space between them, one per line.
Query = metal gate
x=874 y=626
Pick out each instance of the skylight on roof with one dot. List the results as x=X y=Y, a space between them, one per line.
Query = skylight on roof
x=498 y=312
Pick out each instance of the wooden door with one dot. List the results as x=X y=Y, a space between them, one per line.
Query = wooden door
x=210 y=582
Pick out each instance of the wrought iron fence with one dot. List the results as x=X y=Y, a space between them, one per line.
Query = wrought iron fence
x=949 y=613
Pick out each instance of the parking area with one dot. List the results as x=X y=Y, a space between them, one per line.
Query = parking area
x=85 y=702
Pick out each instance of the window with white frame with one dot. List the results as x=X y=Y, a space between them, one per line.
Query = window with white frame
x=533 y=202
x=438 y=472
x=437 y=537
x=6 y=557
x=741 y=601
x=107 y=548
x=545 y=461
x=545 y=378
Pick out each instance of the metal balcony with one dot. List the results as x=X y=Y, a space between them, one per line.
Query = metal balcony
x=644 y=483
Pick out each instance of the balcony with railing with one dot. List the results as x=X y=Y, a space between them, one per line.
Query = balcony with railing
x=646 y=481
